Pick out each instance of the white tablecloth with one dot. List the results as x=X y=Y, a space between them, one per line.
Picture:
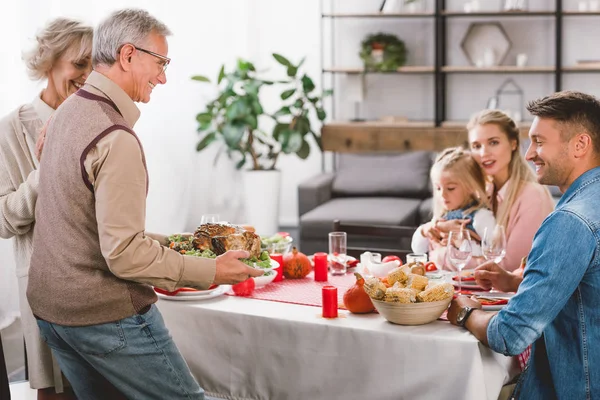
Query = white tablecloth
x=241 y=348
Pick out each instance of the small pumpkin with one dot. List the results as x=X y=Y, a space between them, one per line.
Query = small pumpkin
x=296 y=265
x=356 y=300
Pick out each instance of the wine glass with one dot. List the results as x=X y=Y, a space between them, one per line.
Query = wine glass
x=493 y=243
x=209 y=219
x=459 y=251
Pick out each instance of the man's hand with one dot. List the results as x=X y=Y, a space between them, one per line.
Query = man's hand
x=447 y=226
x=459 y=303
x=230 y=270
x=39 y=144
x=490 y=275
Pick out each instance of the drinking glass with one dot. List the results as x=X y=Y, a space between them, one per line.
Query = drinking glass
x=416 y=257
x=337 y=252
x=493 y=243
x=209 y=219
x=459 y=252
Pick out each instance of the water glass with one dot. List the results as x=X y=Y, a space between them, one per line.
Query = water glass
x=416 y=257
x=459 y=252
x=337 y=252
x=493 y=243
x=209 y=219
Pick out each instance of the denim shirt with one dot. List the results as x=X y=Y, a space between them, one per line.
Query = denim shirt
x=557 y=306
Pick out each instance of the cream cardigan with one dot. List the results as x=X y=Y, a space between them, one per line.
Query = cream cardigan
x=19 y=177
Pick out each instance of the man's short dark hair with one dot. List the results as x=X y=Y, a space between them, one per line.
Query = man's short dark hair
x=574 y=111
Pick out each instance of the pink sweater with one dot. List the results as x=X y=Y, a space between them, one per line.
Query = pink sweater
x=526 y=215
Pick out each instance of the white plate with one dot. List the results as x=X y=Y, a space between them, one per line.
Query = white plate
x=496 y=295
x=198 y=293
x=199 y=296
x=262 y=281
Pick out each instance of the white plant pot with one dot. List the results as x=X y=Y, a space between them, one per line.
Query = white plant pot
x=261 y=200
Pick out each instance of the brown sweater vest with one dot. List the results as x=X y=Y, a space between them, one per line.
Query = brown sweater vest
x=69 y=280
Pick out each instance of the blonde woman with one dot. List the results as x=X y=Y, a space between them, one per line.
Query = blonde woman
x=459 y=193
x=62 y=57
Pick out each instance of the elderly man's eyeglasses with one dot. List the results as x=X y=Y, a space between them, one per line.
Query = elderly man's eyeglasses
x=165 y=60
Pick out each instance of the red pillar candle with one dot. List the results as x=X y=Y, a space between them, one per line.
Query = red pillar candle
x=320 y=260
x=330 y=302
x=279 y=270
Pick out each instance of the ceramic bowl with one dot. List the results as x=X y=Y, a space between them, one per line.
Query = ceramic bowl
x=411 y=313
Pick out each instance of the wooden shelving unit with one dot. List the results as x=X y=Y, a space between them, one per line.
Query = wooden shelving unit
x=402 y=70
x=502 y=69
x=381 y=136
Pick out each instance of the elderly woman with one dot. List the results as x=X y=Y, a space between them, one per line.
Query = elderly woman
x=62 y=57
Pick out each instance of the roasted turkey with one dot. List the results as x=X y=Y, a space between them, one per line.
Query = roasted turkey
x=222 y=237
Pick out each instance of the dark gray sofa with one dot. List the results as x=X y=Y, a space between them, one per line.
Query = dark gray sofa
x=373 y=189
x=378 y=189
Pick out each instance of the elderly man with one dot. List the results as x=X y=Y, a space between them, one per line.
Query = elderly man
x=93 y=263
x=556 y=306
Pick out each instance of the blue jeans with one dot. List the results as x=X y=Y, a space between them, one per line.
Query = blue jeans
x=134 y=357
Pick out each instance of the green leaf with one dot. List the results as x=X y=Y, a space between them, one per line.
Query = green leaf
x=307 y=84
x=204 y=126
x=302 y=125
x=299 y=103
x=304 y=151
x=291 y=141
x=292 y=71
x=282 y=60
x=313 y=100
x=245 y=66
x=287 y=94
x=278 y=129
x=256 y=107
x=321 y=114
x=204 y=117
x=200 y=78
x=283 y=111
x=206 y=140
x=241 y=163
x=326 y=93
x=233 y=134
x=252 y=87
x=237 y=110
x=251 y=121
x=221 y=74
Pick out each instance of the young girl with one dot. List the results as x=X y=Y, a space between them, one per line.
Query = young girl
x=459 y=193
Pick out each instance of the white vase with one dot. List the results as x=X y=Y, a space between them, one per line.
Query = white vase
x=261 y=200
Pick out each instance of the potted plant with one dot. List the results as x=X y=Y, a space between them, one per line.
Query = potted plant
x=255 y=137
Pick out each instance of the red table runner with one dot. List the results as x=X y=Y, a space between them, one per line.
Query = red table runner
x=303 y=291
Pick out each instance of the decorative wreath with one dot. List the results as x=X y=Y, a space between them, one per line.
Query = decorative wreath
x=394 y=52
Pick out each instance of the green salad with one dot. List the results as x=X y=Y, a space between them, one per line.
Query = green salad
x=185 y=245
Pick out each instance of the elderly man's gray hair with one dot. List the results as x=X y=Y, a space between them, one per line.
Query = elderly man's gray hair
x=122 y=27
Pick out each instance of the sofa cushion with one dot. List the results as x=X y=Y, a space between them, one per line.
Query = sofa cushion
x=425 y=211
x=364 y=210
x=402 y=175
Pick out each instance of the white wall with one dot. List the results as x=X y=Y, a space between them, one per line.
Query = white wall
x=183 y=184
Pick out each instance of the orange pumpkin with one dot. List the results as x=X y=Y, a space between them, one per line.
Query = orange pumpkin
x=296 y=265
x=356 y=300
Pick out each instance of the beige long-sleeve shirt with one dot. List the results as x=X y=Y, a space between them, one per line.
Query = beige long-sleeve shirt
x=115 y=169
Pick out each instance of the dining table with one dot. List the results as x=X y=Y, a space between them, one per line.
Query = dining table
x=265 y=347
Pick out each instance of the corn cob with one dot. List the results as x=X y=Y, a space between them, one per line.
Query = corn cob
x=439 y=292
x=400 y=295
x=416 y=282
x=397 y=275
x=375 y=288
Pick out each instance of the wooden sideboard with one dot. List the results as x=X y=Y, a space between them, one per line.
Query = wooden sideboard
x=374 y=136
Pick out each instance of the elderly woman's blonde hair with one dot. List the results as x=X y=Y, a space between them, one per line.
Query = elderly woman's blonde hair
x=62 y=36
x=519 y=171
x=469 y=175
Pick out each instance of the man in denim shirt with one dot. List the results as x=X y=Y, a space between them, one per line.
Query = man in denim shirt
x=556 y=307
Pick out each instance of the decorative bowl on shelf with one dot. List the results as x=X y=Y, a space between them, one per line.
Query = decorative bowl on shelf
x=411 y=313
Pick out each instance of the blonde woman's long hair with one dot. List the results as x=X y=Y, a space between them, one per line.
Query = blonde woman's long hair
x=519 y=171
x=461 y=164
